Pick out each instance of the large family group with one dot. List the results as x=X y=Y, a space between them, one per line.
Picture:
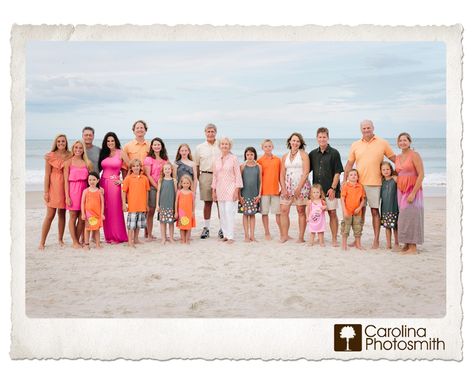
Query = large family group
x=98 y=185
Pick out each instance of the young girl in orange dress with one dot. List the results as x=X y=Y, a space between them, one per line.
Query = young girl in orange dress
x=76 y=173
x=54 y=195
x=185 y=208
x=92 y=210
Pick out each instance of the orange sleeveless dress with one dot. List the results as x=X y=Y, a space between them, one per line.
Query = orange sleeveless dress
x=185 y=220
x=93 y=215
x=57 y=193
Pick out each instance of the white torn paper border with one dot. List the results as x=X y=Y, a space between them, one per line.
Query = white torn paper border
x=228 y=338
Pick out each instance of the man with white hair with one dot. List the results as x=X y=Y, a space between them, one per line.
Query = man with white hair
x=204 y=157
x=368 y=153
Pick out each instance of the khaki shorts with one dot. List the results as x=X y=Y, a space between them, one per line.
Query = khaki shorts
x=205 y=186
x=373 y=194
x=270 y=203
x=293 y=201
x=332 y=204
x=352 y=221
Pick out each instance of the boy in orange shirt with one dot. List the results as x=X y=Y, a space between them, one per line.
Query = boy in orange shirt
x=353 y=198
x=270 y=189
x=135 y=191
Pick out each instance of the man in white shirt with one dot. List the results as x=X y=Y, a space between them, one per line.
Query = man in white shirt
x=205 y=155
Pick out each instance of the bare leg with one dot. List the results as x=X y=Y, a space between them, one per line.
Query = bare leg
x=302 y=223
x=136 y=240
x=163 y=232
x=278 y=222
x=183 y=236
x=73 y=215
x=246 y=228
x=80 y=228
x=285 y=223
x=149 y=223
x=48 y=219
x=333 y=226
x=207 y=209
x=311 y=239
x=97 y=239
x=171 y=233
x=321 y=239
x=267 y=234
x=252 y=227
x=86 y=239
x=376 y=226
x=188 y=236
x=396 y=239
x=61 y=225
x=344 y=242
x=131 y=233
x=388 y=238
x=358 y=243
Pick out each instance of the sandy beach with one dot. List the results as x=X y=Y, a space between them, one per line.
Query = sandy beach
x=211 y=279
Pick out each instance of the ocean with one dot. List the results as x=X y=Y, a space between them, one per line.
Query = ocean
x=432 y=150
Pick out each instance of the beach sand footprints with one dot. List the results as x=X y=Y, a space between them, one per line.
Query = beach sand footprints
x=297 y=301
x=197 y=305
x=153 y=277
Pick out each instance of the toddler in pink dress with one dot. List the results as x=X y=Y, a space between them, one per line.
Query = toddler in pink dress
x=315 y=215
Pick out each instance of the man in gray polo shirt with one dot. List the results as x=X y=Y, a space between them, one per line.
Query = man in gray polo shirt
x=93 y=152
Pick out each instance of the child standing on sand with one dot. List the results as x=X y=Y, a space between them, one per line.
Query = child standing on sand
x=92 y=210
x=250 y=194
x=185 y=208
x=315 y=214
x=353 y=198
x=165 y=199
x=389 y=206
x=135 y=193
x=270 y=200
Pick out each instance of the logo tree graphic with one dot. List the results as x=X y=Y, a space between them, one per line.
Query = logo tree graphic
x=347 y=333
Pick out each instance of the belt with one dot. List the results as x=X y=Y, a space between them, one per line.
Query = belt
x=206 y=172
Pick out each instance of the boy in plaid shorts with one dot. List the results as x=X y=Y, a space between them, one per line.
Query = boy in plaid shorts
x=135 y=190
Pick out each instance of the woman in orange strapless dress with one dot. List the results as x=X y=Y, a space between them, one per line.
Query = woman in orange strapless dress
x=54 y=195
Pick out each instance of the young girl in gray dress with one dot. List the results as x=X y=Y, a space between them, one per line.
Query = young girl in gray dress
x=165 y=199
x=389 y=207
x=250 y=194
x=185 y=165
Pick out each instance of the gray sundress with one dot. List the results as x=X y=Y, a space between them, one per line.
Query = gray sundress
x=166 y=202
x=250 y=190
x=182 y=169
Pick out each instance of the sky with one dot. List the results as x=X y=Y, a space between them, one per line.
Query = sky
x=248 y=89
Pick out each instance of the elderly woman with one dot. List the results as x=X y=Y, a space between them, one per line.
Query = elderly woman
x=226 y=181
x=410 y=197
x=54 y=194
x=295 y=186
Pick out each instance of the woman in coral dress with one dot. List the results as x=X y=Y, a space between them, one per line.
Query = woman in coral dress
x=410 y=197
x=111 y=160
x=54 y=195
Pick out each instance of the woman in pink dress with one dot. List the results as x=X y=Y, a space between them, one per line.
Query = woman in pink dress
x=111 y=159
x=76 y=172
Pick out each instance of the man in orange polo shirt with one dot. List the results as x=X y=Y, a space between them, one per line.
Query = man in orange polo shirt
x=138 y=147
x=368 y=154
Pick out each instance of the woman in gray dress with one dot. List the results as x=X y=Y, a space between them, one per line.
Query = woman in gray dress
x=250 y=194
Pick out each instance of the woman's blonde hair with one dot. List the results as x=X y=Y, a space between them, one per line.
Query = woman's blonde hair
x=84 y=154
x=319 y=187
x=132 y=162
x=54 y=146
x=178 y=155
x=185 y=176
